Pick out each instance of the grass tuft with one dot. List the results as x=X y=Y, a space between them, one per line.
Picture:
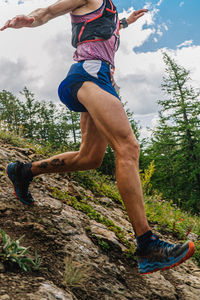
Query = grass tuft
x=76 y=274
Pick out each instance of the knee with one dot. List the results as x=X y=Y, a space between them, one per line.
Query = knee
x=129 y=149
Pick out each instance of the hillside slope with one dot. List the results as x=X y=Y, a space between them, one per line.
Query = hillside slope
x=58 y=229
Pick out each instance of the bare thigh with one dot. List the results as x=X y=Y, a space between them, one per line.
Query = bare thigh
x=108 y=115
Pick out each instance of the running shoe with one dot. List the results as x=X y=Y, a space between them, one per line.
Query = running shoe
x=21 y=177
x=160 y=255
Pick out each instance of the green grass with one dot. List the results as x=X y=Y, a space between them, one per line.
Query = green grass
x=17 y=141
x=98 y=183
x=76 y=274
x=169 y=215
x=13 y=139
x=174 y=220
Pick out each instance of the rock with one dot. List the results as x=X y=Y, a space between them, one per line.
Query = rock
x=2 y=268
x=48 y=202
x=192 y=236
x=3 y=207
x=188 y=281
x=75 y=190
x=82 y=248
x=160 y=287
x=122 y=269
x=116 y=291
x=101 y=231
x=5 y=297
x=3 y=154
x=48 y=291
x=105 y=201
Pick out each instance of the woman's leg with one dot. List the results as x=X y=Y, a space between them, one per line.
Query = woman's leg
x=90 y=155
x=110 y=118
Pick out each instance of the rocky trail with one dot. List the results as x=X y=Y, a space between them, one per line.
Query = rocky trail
x=57 y=230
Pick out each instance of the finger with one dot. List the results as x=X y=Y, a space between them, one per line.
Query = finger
x=21 y=21
x=30 y=19
x=24 y=18
x=141 y=11
x=13 y=23
x=6 y=25
x=139 y=16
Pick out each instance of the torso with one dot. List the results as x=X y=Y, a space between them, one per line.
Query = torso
x=98 y=50
x=90 y=6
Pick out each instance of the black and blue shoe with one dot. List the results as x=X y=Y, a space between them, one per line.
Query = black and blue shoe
x=20 y=175
x=160 y=255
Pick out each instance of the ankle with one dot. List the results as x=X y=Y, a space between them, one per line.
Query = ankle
x=26 y=171
x=144 y=239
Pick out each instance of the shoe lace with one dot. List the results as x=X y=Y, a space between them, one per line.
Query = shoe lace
x=156 y=242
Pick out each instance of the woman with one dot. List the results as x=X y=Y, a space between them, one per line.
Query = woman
x=89 y=89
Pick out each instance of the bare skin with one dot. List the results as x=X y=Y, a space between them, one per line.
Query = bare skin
x=90 y=155
x=111 y=120
x=105 y=122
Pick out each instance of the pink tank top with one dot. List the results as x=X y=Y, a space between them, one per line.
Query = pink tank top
x=100 y=50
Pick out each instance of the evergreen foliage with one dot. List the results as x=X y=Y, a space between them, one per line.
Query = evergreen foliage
x=41 y=121
x=175 y=143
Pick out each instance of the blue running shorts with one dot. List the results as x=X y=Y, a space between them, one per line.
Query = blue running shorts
x=96 y=71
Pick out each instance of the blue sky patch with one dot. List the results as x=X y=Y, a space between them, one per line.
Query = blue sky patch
x=175 y=22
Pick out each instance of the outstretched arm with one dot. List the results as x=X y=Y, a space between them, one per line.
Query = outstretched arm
x=41 y=16
x=132 y=18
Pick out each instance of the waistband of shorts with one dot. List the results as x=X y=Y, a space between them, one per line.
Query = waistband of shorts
x=103 y=61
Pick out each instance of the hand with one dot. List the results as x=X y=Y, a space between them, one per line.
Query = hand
x=18 y=22
x=136 y=15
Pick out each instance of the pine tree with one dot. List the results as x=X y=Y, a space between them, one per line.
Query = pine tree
x=10 y=111
x=29 y=113
x=176 y=141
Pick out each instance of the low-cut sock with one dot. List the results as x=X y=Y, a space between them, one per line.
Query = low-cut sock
x=144 y=239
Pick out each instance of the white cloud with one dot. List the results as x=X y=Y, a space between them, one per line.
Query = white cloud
x=165 y=26
x=185 y=44
x=181 y=3
x=45 y=52
x=159 y=2
x=140 y=74
x=159 y=32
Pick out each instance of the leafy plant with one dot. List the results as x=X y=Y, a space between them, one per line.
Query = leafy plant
x=12 y=252
x=146 y=178
x=104 y=245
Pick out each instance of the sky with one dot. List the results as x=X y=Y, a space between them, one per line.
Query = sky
x=40 y=58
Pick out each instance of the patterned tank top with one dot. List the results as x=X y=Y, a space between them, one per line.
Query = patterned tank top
x=100 y=50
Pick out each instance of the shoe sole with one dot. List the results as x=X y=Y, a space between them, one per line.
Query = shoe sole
x=188 y=255
x=24 y=202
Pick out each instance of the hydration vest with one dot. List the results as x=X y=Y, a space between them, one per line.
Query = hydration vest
x=99 y=28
